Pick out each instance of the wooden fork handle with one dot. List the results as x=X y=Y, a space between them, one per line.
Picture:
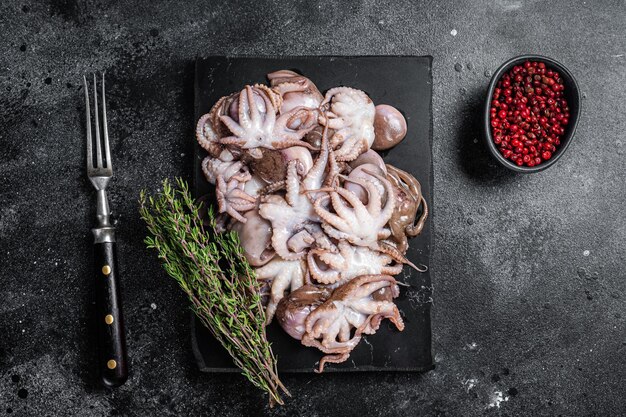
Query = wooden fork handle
x=112 y=360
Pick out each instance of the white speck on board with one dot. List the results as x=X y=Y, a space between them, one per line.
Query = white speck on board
x=453 y=32
x=153 y=306
x=586 y=253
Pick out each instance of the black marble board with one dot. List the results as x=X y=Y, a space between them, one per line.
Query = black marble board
x=402 y=81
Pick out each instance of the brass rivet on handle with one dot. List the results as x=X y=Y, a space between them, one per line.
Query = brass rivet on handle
x=111 y=364
x=108 y=319
x=106 y=270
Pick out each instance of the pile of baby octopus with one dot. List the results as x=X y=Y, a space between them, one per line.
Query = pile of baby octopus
x=322 y=219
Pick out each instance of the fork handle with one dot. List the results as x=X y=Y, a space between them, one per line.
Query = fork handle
x=112 y=361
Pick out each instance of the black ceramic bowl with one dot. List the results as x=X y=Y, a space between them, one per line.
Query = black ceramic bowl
x=571 y=93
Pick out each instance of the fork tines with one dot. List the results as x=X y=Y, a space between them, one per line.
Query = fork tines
x=104 y=166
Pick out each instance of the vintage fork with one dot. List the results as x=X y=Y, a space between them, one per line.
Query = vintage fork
x=112 y=361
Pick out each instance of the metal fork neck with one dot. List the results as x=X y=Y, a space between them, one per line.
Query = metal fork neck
x=103 y=232
x=102 y=209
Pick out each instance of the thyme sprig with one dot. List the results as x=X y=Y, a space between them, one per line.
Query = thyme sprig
x=211 y=269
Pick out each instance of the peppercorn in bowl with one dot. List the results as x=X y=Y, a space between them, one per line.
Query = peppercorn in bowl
x=531 y=112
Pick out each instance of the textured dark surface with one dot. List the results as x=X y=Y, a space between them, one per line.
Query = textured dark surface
x=529 y=312
x=406 y=84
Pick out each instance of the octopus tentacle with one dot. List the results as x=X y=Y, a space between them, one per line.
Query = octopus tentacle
x=246 y=106
x=328 y=276
x=340 y=208
x=329 y=217
x=389 y=249
x=415 y=228
x=333 y=170
x=350 y=151
x=299 y=242
x=337 y=358
x=270 y=112
x=232 y=140
x=292 y=183
x=206 y=136
x=288 y=143
x=359 y=209
x=273 y=96
x=255 y=115
x=321 y=240
x=273 y=187
x=335 y=233
x=314 y=178
x=233 y=126
x=387 y=210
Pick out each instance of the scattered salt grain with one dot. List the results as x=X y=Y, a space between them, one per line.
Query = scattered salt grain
x=471 y=346
x=495 y=399
x=469 y=384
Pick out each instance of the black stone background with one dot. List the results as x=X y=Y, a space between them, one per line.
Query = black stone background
x=529 y=290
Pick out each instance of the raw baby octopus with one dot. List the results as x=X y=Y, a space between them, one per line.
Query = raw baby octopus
x=257 y=125
x=232 y=198
x=289 y=215
x=284 y=276
x=389 y=127
x=210 y=128
x=409 y=198
x=295 y=90
x=321 y=218
x=255 y=235
x=351 y=114
x=360 y=224
x=351 y=306
x=293 y=309
x=225 y=165
x=348 y=263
